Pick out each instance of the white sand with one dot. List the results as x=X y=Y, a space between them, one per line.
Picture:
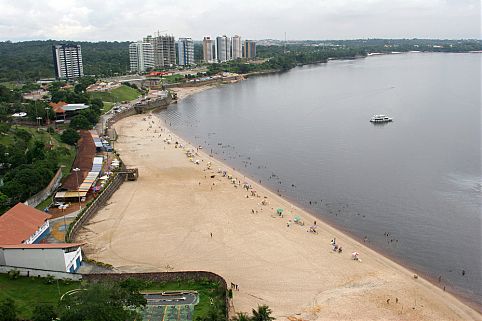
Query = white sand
x=163 y=221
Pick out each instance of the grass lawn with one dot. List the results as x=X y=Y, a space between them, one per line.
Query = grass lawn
x=10 y=84
x=117 y=95
x=29 y=291
x=205 y=289
x=44 y=204
x=66 y=159
x=107 y=106
x=173 y=78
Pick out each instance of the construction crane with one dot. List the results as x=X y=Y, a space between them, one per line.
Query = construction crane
x=159 y=32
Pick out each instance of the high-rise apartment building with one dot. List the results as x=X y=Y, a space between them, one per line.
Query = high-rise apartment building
x=164 y=50
x=209 y=50
x=249 y=49
x=141 y=55
x=185 y=51
x=237 y=48
x=67 y=61
x=223 y=46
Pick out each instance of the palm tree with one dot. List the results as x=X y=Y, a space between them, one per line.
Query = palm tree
x=241 y=317
x=263 y=314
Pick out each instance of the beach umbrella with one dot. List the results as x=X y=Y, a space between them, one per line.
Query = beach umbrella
x=279 y=210
x=297 y=218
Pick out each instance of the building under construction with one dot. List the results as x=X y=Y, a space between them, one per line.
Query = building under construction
x=164 y=50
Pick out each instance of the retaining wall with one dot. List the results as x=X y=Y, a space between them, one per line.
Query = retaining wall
x=46 y=192
x=205 y=82
x=95 y=206
x=151 y=105
x=42 y=273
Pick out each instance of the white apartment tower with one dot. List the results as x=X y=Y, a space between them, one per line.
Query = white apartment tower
x=164 y=50
x=141 y=55
x=223 y=45
x=237 y=47
x=209 y=50
x=185 y=51
x=67 y=61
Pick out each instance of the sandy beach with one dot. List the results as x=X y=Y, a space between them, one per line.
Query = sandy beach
x=183 y=92
x=184 y=216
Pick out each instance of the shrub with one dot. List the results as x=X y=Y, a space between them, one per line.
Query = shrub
x=13 y=274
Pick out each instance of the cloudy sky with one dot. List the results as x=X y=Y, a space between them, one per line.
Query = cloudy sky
x=96 y=20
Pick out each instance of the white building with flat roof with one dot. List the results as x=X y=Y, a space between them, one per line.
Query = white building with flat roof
x=61 y=257
x=22 y=228
x=67 y=61
x=141 y=56
x=223 y=48
x=237 y=47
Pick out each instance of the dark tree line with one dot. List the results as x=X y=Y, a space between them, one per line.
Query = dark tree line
x=32 y=60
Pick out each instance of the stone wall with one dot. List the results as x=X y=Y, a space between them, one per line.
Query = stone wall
x=46 y=192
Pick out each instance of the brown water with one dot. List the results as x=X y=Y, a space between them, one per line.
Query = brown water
x=307 y=133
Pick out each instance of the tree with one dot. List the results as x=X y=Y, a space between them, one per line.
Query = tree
x=23 y=134
x=80 y=122
x=37 y=152
x=101 y=301
x=97 y=104
x=262 y=314
x=44 y=312
x=70 y=136
x=4 y=202
x=4 y=128
x=8 y=310
x=91 y=116
x=240 y=316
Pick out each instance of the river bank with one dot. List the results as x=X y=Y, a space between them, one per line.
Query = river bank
x=177 y=217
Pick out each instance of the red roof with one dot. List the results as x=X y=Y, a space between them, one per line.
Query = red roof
x=158 y=73
x=41 y=246
x=19 y=223
x=57 y=107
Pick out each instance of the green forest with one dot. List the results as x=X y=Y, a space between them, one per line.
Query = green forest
x=32 y=60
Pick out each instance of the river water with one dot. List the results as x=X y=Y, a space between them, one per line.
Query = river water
x=306 y=133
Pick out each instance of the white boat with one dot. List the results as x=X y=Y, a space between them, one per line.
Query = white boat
x=380 y=119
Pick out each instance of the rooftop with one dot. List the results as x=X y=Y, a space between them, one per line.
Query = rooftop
x=41 y=246
x=20 y=222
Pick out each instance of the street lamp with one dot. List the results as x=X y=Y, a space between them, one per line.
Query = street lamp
x=48 y=119
x=48 y=127
x=77 y=170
